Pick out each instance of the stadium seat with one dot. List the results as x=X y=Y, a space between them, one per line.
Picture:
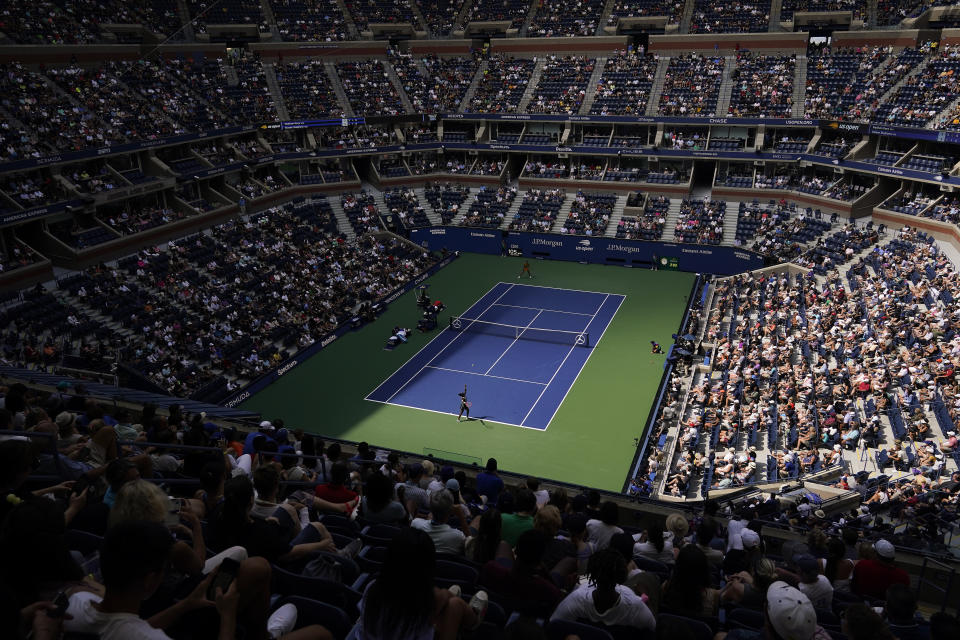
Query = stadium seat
x=743 y=618
x=700 y=630
x=647 y=564
x=337 y=594
x=379 y=535
x=451 y=573
x=560 y=629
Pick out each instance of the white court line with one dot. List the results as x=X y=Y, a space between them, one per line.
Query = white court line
x=450 y=413
x=562 y=362
x=589 y=355
x=437 y=354
x=516 y=306
x=485 y=375
x=540 y=286
x=513 y=343
x=439 y=335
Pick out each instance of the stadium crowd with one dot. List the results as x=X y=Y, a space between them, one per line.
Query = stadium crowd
x=816 y=366
x=278 y=534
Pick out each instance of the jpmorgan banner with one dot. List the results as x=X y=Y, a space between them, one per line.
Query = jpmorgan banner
x=629 y=253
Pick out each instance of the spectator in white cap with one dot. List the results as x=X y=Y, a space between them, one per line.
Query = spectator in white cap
x=947 y=446
x=266 y=431
x=749 y=539
x=791 y=615
x=871 y=578
x=740 y=537
x=834 y=456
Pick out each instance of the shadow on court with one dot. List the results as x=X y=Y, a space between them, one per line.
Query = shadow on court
x=480 y=420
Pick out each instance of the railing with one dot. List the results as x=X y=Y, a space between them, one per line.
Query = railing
x=939 y=567
x=661 y=389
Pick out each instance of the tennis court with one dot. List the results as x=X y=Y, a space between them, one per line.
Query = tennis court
x=518 y=349
x=591 y=438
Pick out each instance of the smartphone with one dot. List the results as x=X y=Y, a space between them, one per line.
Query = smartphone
x=226 y=573
x=60 y=603
x=173 y=512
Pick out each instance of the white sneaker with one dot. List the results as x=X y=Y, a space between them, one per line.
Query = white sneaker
x=479 y=603
x=282 y=621
x=454 y=590
x=351 y=550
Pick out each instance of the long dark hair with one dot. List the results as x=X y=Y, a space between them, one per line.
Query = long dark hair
x=655 y=536
x=607 y=568
x=379 y=492
x=488 y=537
x=836 y=551
x=309 y=448
x=231 y=518
x=33 y=550
x=400 y=603
x=691 y=576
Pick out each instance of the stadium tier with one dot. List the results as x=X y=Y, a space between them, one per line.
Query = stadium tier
x=481 y=319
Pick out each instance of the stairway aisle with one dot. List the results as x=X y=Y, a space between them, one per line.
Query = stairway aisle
x=398 y=86
x=799 y=87
x=428 y=209
x=184 y=12
x=673 y=216
x=591 y=94
x=775 y=8
x=512 y=211
x=653 y=101
x=730 y=222
x=616 y=216
x=726 y=86
x=334 y=79
x=532 y=85
x=563 y=214
x=343 y=223
x=472 y=89
x=270 y=73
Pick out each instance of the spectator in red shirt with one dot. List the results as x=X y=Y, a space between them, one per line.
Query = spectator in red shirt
x=335 y=491
x=871 y=578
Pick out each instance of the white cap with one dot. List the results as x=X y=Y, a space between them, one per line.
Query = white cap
x=885 y=549
x=749 y=538
x=790 y=612
x=266 y=424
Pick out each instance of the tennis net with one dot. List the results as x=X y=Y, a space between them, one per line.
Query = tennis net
x=520 y=332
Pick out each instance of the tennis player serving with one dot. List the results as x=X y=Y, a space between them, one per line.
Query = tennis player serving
x=464 y=405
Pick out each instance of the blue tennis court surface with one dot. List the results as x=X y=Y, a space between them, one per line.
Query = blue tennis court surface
x=518 y=349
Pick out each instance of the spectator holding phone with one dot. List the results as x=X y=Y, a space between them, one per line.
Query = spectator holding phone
x=232 y=524
x=186 y=569
x=133 y=559
x=17 y=461
x=142 y=500
x=34 y=558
